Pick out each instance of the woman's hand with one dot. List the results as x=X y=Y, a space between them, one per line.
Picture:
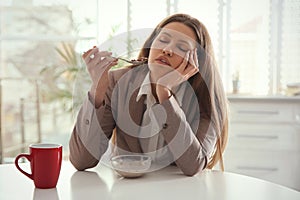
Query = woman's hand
x=183 y=72
x=98 y=63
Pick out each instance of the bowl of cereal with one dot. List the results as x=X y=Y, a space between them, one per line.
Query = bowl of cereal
x=131 y=166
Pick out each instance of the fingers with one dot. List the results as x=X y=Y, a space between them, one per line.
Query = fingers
x=102 y=58
x=184 y=63
x=85 y=54
x=89 y=53
x=95 y=57
x=109 y=65
x=191 y=73
x=193 y=62
x=98 y=62
x=187 y=69
x=189 y=63
x=194 y=58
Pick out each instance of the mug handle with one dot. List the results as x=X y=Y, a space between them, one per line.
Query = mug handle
x=28 y=157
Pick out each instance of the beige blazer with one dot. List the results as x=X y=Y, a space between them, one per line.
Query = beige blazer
x=189 y=137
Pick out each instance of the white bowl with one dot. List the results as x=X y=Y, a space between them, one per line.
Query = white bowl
x=131 y=166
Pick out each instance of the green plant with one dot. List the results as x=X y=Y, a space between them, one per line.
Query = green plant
x=68 y=81
x=62 y=81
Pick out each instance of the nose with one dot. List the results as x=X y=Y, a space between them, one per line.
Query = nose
x=167 y=51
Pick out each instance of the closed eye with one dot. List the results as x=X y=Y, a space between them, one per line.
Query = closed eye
x=163 y=41
x=183 y=47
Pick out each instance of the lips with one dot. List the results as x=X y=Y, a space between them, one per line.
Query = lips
x=163 y=60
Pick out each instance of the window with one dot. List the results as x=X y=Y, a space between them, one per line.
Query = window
x=256 y=42
x=35 y=84
x=249 y=46
x=289 y=46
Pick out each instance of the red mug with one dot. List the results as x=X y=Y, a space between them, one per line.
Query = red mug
x=45 y=162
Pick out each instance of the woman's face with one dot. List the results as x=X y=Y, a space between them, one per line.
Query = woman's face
x=171 y=45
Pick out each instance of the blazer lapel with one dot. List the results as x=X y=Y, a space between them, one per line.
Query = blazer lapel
x=136 y=111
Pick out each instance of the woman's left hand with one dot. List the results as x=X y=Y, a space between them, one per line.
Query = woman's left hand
x=183 y=72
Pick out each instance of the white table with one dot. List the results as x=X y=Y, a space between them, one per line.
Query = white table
x=169 y=183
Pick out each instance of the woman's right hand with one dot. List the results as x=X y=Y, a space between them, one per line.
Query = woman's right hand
x=98 y=63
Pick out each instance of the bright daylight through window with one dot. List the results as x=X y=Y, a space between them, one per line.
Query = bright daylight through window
x=256 y=45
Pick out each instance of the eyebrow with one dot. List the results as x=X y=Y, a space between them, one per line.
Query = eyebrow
x=168 y=34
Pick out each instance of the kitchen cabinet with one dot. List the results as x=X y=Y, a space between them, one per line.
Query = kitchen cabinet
x=264 y=138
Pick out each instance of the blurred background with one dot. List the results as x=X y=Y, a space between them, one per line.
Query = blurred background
x=43 y=79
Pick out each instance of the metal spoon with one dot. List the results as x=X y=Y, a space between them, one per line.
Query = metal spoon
x=134 y=62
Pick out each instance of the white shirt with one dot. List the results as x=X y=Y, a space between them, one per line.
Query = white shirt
x=150 y=125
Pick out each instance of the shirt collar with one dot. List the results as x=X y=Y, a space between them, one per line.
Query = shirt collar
x=145 y=89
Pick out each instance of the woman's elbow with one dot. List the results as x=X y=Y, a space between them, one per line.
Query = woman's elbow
x=194 y=168
x=192 y=172
x=82 y=164
x=78 y=167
